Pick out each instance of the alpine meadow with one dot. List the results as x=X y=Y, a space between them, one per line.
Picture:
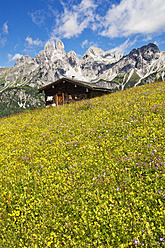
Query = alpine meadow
x=86 y=174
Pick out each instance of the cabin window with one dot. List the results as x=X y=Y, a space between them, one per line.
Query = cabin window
x=70 y=97
x=86 y=89
x=75 y=85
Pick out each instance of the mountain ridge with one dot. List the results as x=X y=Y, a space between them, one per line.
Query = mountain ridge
x=111 y=70
x=53 y=63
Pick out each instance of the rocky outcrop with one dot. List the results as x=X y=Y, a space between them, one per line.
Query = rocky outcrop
x=14 y=100
x=72 y=59
x=24 y=60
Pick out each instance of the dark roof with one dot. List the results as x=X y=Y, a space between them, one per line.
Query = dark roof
x=78 y=82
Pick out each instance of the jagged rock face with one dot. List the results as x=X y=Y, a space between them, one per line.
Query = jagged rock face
x=95 y=62
x=60 y=46
x=149 y=52
x=50 y=46
x=145 y=60
x=72 y=58
x=24 y=60
x=98 y=55
x=51 y=52
x=95 y=66
x=110 y=70
x=144 y=56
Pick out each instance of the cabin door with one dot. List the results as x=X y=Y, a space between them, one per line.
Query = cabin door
x=59 y=100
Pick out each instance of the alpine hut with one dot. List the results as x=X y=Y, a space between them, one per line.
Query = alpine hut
x=67 y=90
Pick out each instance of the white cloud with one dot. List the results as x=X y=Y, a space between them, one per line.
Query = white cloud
x=3 y=41
x=72 y=22
x=134 y=17
x=84 y=43
x=38 y=17
x=32 y=42
x=5 y=28
x=87 y=43
x=15 y=57
x=124 y=46
x=128 y=17
x=3 y=32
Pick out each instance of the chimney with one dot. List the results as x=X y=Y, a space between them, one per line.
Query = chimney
x=73 y=77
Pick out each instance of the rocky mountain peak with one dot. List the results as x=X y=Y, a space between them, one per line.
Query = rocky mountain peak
x=50 y=45
x=113 y=69
x=51 y=53
x=72 y=58
x=95 y=50
x=60 y=45
x=71 y=54
x=150 y=47
x=23 y=60
x=148 y=52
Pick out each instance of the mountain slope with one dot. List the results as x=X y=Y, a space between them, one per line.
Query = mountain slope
x=145 y=62
x=115 y=71
x=14 y=100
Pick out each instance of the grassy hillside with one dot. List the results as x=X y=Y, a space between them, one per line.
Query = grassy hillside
x=88 y=174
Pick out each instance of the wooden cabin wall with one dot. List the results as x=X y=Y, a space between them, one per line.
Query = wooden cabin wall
x=67 y=92
x=68 y=88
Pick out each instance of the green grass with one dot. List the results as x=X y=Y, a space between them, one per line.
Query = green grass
x=88 y=174
x=132 y=81
x=118 y=79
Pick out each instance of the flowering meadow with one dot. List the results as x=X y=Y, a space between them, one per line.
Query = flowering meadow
x=87 y=174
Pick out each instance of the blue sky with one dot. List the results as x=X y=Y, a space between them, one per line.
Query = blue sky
x=26 y=25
